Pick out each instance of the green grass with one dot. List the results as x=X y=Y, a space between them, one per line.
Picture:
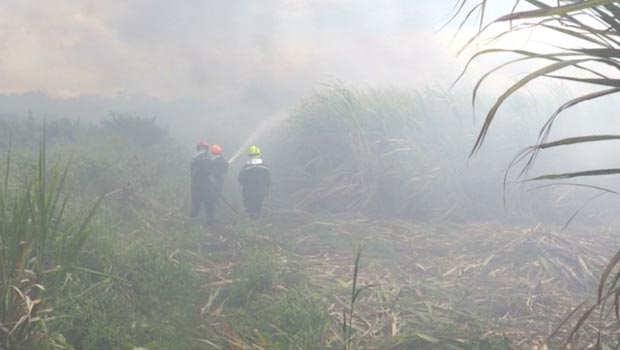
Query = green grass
x=37 y=252
x=294 y=318
x=152 y=302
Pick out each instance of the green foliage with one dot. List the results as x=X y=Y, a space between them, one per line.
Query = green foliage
x=144 y=132
x=124 y=291
x=36 y=252
x=347 y=317
x=151 y=302
x=257 y=274
x=291 y=319
x=493 y=342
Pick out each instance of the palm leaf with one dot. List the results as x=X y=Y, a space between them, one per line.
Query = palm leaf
x=595 y=24
x=534 y=150
x=514 y=88
x=596 y=172
x=555 y=11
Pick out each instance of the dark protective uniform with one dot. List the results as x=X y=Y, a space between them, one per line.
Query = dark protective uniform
x=255 y=180
x=203 y=188
x=220 y=168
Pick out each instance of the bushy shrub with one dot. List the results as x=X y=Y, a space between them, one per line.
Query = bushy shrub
x=143 y=131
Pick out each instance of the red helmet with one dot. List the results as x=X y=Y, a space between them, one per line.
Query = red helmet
x=216 y=149
x=202 y=145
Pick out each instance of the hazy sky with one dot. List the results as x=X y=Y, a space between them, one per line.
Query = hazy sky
x=197 y=48
x=230 y=58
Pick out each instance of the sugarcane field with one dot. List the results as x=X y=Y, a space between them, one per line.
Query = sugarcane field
x=310 y=175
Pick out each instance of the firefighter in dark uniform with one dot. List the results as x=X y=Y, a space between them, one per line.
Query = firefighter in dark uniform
x=203 y=188
x=255 y=180
x=220 y=168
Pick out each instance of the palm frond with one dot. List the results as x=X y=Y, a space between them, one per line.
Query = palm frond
x=594 y=28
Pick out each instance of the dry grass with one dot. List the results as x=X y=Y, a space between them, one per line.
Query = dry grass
x=439 y=286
